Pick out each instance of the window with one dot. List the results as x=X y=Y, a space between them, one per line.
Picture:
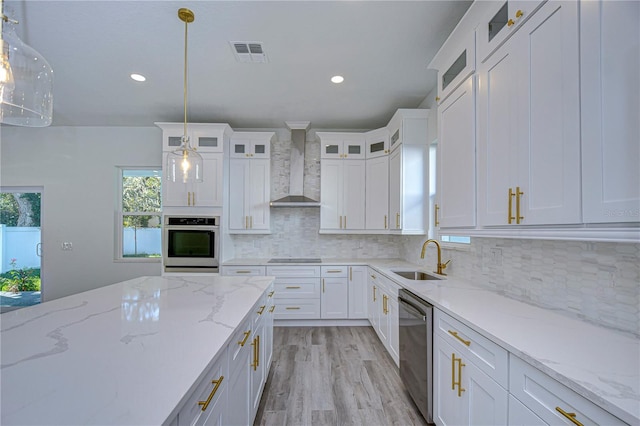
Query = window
x=139 y=214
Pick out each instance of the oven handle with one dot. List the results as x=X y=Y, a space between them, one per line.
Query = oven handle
x=418 y=312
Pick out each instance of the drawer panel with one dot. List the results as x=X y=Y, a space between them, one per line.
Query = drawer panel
x=546 y=397
x=192 y=411
x=306 y=288
x=297 y=309
x=334 y=271
x=293 y=271
x=239 y=344
x=243 y=270
x=488 y=356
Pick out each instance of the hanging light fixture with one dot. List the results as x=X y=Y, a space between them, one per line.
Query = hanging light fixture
x=185 y=163
x=26 y=80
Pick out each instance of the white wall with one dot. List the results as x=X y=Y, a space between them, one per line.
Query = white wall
x=77 y=168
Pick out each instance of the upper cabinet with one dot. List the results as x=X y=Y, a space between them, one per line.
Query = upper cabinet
x=409 y=172
x=610 y=91
x=343 y=146
x=377 y=180
x=501 y=21
x=208 y=140
x=377 y=143
x=529 y=124
x=250 y=183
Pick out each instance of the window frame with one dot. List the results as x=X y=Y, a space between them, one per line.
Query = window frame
x=119 y=215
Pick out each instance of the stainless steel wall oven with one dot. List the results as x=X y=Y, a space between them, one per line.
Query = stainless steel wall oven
x=191 y=244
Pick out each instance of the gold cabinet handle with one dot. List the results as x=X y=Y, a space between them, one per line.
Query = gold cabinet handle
x=293 y=286
x=453 y=371
x=385 y=303
x=397 y=220
x=258 y=351
x=334 y=271
x=385 y=221
x=250 y=222
x=217 y=383
x=243 y=272
x=570 y=416
x=374 y=293
x=193 y=198
x=350 y=273
x=254 y=363
x=509 y=217
x=345 y=222
x=323 y=285
x=246 y=336
x=510 y=22
x=246 y=222
x=460 y=388
x=519 y=13
x=292 y=308
x=261 y=310
x=189 y=198
x=272 y=308
x=271 y=293
x=518 y=195
x=373 y=276
x=455 y=334
x=340 y=222
x=437 y=98
x=436 y=216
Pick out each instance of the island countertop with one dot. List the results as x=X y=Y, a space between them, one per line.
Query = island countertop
x=127 y=353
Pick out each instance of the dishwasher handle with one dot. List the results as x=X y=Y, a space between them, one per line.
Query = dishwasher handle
x=418 y=312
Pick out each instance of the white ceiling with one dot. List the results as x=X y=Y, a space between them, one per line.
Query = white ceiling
x=382 y=48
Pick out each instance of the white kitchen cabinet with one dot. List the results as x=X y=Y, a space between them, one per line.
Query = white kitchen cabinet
x=383 y=312
x=377 y=143
x=334 y=297
x=208 y=193
x=204 y=137
x=550 y=400
x=358 y=302
x=240 y=357
x=456 y=196
x=519 y=415
x=342 y=194
x=501 y=21
x=528 y=124
x=297 y=291
x=409 y=189
x=268 y=330
x=610 y=102
x=257 y=368
x=373 y=299
x=249 y=195
x=377 y=193
x=455 y=64
x=251 y=145
x=244 y=270
x=341 y=145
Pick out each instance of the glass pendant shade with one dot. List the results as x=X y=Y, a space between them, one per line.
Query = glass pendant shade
x=26 y=83
x=185 y=164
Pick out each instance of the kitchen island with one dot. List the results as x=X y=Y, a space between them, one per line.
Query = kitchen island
x=129 y=353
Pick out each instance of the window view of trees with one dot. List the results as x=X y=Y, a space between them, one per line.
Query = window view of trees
x=20 y=209
x=141 y=208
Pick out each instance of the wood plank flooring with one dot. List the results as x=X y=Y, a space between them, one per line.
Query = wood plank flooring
x=334 y=376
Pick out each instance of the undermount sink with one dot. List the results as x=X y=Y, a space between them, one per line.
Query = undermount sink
x=416 y=275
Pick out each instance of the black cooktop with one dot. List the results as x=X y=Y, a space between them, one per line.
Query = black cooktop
x=295 y=260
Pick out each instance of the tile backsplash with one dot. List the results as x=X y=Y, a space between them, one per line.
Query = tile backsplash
x=597 y=282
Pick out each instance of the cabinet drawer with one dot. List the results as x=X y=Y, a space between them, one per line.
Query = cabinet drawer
x=548 y=398
x=259 y=309
x=334 y=271
x=243 y=270
x=239 y=344
x=489 y=357
x=297 y=309
x=296 y=288
x=293 y=271
x=195 y=413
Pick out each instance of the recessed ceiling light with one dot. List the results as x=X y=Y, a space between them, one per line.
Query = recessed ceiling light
x=138 y=77
x=337 y=79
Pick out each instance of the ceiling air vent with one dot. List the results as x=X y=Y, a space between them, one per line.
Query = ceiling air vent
x=249 y=51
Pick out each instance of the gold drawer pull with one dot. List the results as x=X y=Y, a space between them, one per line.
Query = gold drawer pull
x=272 y=308
x=217 y=383
x=455 y=334
x=334 y=271
x=570 y=416
x=271 y=293
x=261 y=310
x=246 y=336
x=373 y=276
x=293 y=286
x=519 y=13
x=292 y=308
x=243 y=272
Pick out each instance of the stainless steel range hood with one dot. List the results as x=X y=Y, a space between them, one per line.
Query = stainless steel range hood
x=296 y=197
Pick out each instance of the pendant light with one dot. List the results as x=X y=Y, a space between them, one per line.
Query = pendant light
x=26 y=80
x=185 y=163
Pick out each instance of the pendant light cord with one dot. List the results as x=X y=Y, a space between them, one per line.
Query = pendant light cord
x=186 y=24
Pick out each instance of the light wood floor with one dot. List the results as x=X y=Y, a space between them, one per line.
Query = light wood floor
x=334 y=376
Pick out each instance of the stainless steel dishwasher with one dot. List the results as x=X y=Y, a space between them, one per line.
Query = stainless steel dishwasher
x=416 y=350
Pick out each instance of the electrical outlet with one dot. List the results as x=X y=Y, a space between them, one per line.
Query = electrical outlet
x=496 y=256
x=67 y=246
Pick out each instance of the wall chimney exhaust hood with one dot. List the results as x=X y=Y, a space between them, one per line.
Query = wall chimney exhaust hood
x=296 y=196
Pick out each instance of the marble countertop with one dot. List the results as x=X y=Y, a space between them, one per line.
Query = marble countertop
x=601 y=364
x=125 y=354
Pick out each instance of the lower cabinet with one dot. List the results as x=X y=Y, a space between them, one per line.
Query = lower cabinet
x=383 y=312
x=373 y=299
x=297 y=292
x=358 y=292
x=334 y=296
x=230 y=392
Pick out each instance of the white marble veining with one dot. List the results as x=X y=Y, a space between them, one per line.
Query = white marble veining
x=122 y=354
x=599 y=363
